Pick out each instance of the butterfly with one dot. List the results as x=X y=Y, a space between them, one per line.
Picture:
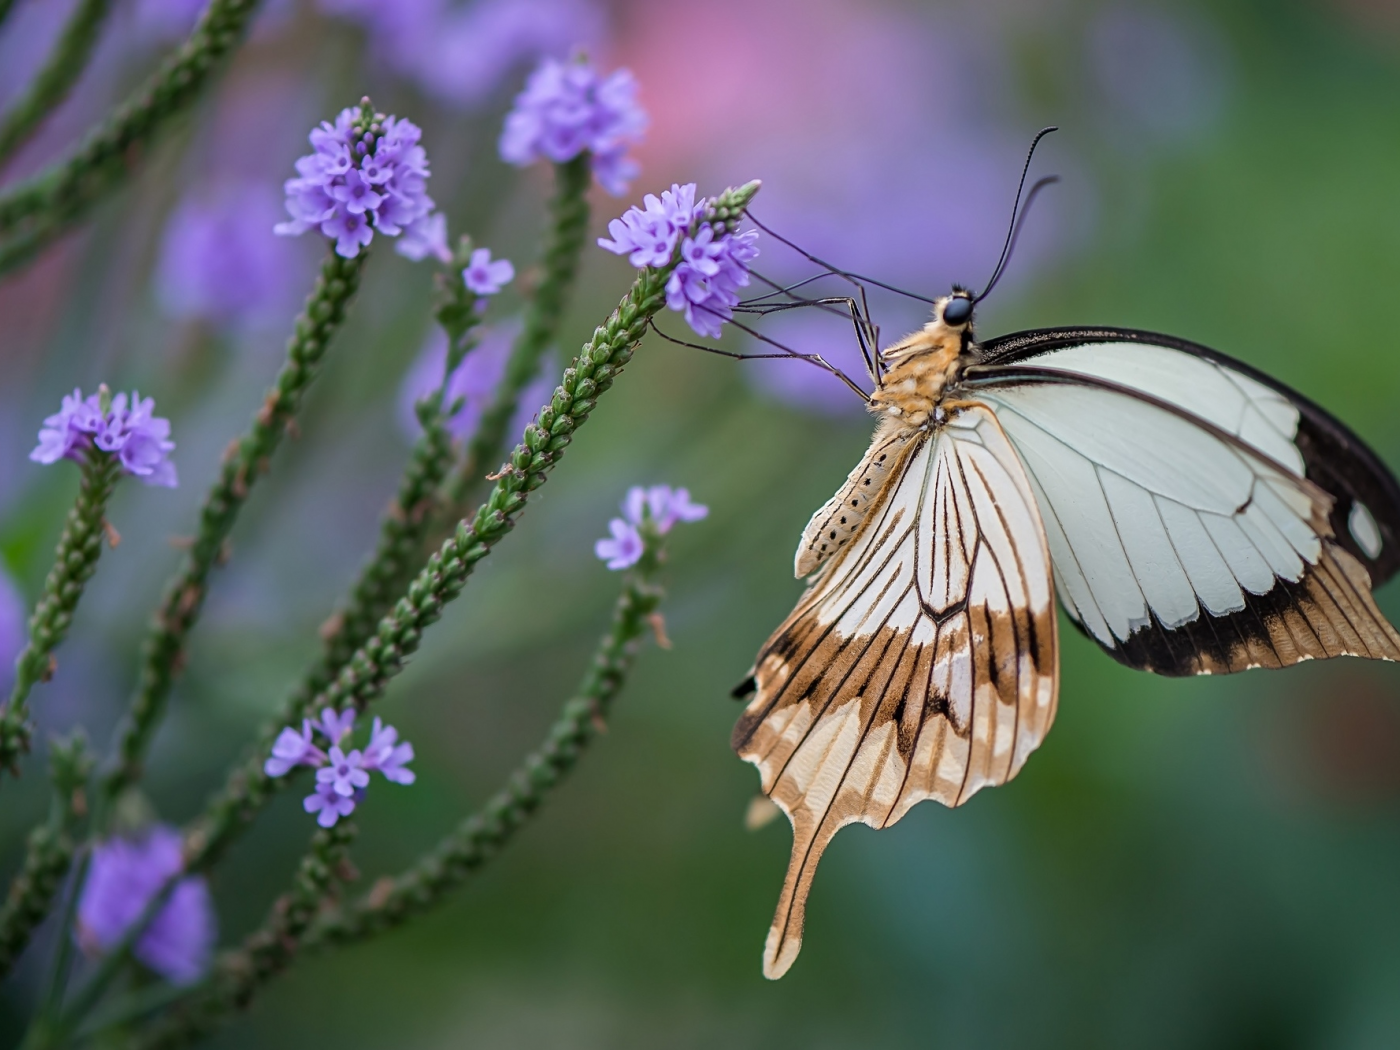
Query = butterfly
x=1192 y=515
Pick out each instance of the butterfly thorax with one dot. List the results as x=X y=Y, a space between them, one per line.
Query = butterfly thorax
x=921 y=368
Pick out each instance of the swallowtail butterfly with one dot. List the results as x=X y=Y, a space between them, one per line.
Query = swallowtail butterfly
x=1193 y=515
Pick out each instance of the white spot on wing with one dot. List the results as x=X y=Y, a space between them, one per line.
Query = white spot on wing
x=1364 y=530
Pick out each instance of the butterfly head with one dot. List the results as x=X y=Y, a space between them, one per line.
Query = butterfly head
x=955 y=310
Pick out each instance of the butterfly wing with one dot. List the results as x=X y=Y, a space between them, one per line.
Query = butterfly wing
x=1181 y=546
x=920 y=664
x=1289 y=428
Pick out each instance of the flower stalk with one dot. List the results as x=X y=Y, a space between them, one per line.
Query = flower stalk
x=49 y=853
x=53 y=83
x=482 y=835
x=367 y=674
x=568 y=228
x=245 y=461
x=265 y=953
x=36 y=211
x=75 y=560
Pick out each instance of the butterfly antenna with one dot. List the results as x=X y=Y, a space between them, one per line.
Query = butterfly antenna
x=836 y=271
x=1016 y=213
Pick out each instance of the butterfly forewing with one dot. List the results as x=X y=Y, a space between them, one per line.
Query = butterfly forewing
x=1181 y=545
x=920 y=664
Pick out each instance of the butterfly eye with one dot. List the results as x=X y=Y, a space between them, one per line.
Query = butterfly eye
x=958 y=311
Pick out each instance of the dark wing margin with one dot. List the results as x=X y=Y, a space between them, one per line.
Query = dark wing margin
x=1335 y=458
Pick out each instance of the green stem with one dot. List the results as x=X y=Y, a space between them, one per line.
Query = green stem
x=478 y=838
x=564 y=241
x=6 y=6
x=404 y=525
x=264 y=954
x=246 y=459
x=367 y=674
x=70 y=57
x=50 y=851
x=75 y=560
x=37 y=210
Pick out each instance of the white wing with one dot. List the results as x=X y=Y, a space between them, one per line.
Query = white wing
x=1180 y=545
x=920 y=664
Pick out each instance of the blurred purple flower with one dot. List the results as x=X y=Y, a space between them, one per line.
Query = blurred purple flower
x=128 y=429
x=705 y=285
x=329 y=804
x=567 y=108
x=476 y=46
x=625 y=547
x=123 y=878
x=1164 y=73
x=474 y=382
x=387 y=755
x=661 y=505
x=345 y=773
x=424 y=237
x=14 y=631
x=341 y=775
x=665 y=505
x=292 y=748
x=650 y=233
x=485 y=276
x=218 y=262
x=359 y=182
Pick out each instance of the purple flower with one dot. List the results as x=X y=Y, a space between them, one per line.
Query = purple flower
x=329 y=803
x=474 y=382
x=14 y=632
x=368 y=175
x=650 y=233
x=124 y=876
x=425 y=236
x=127 y=428
x=293 y=748
x=335 y=727
x=386 y=755
x=567 y=108
x=344 y=773
x=341 y=775
x=624 y=549
x=485 y=276
x=663 y=504
x=218 y=263
x=705 y=285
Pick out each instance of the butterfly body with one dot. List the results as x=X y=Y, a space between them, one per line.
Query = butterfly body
x=1191 y=515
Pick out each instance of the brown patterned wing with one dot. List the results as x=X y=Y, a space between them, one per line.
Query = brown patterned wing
x=921 y=663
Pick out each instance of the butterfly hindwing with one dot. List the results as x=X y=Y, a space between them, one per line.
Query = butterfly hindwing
x=1181 y=545
x=920 y=664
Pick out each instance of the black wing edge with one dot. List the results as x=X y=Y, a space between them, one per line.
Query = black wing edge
x=1334 y=458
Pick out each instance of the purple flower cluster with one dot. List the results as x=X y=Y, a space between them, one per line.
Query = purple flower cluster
x=368 y=174
x=648 y=235
x=568 y=107
x=713 y=267
x=123 y=426
x=341 y=776
x=661 y=506
x=124 y=876
x=218 y=266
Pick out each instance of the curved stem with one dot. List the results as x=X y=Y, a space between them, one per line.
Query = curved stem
x=75 y=560
x=568 y=228
x=34 y=212
x=51 y=86
x=367 y=674
x=478 y=838
x=245 y=461
x=49 y=853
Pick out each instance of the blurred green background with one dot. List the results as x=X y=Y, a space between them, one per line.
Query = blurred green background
x=1185 y=863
